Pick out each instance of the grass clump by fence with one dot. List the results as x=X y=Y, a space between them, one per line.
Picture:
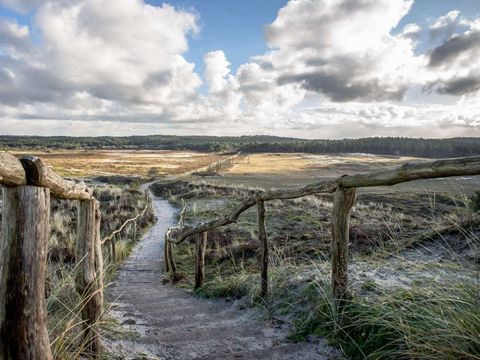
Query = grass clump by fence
x=423 y=322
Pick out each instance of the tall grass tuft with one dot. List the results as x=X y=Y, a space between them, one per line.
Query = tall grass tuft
x=419 y=323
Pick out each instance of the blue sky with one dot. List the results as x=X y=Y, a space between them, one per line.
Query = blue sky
x=237 y=26
x=335 y=69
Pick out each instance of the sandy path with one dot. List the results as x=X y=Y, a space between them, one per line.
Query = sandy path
x=172 y=324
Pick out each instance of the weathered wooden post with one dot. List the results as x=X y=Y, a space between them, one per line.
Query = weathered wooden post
x=342 y=204
x=200 y=247
x=262 y=236
x=171 y=261
x=86 y=280
x=135 y=231
x=165 y=254
x=113 y=255
x=99 y=252
x=23 y=260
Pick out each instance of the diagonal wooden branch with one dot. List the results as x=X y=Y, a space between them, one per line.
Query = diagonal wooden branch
x=415 y=171
x=129 y=221
x=403 y=173
x=178 y=235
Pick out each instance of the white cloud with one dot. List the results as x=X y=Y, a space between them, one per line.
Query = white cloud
x=333 y=68
x=21 y=5
x=344 y=49
x=446 y=25
x=125 y=57
x=14 y=38
x=124 y=50
x=454 y=64
x=217 y=68
x=222 y=86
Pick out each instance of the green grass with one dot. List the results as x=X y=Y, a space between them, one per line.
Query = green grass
x=426 y=321
x=402 y=308
x=423 y=322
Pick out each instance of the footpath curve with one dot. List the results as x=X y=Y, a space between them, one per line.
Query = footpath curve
x=170 y=323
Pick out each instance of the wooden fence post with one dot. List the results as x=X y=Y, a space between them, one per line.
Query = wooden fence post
x=165 y=254
x=201 y=245
x=113 y=255
x=23 y=261
x=99 y=252
x=171 y=261
x=262 y=236
x=342 y=204
x=86 y=281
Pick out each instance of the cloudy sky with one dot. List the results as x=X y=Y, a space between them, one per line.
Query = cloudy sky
x=304 y=68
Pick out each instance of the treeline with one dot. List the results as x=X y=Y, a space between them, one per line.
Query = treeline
x=433 y=148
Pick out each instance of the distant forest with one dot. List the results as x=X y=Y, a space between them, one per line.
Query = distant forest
x=432 y=148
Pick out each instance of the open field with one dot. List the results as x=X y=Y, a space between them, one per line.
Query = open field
x=414 y=247
x=414 y=254
x=277 y=170
x=79 y=163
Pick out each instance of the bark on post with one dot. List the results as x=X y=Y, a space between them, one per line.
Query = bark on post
x=342 y=204
x=99 y=252
x=200 y=247
x=23 y=260
x=171 y=261
x=11 y=170
x=86 y=280
x=135 y=231
x=39 y=174
x=165 y=255
x=262 y=236
x=113 y=255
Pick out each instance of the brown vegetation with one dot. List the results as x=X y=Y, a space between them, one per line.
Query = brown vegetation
x=79 y=163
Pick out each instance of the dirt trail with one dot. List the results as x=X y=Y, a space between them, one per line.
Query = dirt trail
x=170 y=323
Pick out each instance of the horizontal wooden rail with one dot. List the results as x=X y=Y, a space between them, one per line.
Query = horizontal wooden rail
x=39 y=174
x=403 y=173
x=344 y=188
x=179 y=234
x=415 y=171
x=30 y=170
x=129 y=221
x=11 y=171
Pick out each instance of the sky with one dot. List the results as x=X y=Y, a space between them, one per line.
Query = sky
x=302 y=68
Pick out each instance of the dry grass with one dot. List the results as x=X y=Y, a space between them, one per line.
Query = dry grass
x=276 y=170
x=64 y=305
x=411 y=300
x=278 y=163
x=80 y=163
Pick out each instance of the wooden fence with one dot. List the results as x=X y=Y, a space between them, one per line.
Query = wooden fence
x=344 y=189
x=27 y=187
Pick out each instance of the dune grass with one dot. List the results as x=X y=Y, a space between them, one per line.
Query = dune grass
x=63 y=303
x=415 y=284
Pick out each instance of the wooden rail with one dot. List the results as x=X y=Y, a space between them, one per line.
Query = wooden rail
x=28 y=185
x=179 y=234
x=344 y=188
x=111 y=238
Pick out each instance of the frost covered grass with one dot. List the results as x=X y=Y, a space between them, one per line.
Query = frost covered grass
x=414 y=272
